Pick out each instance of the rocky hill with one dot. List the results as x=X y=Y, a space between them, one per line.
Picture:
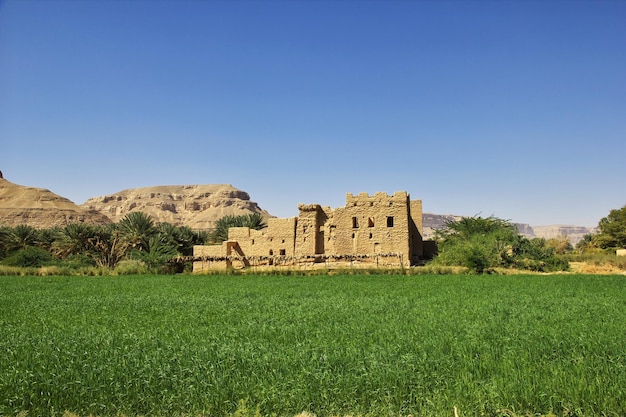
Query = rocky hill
x=41 y=208
x=196 y=206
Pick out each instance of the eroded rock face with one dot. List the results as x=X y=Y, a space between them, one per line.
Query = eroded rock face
x=41 y=208
x=574 y=233
x=196 y=206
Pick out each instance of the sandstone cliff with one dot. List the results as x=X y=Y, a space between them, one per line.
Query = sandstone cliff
x=196 y=206
x=573 y=233
x=41 y=208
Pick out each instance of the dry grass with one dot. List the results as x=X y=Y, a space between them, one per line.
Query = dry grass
x=594 y=268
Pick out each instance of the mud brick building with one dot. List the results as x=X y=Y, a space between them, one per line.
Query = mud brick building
x=371 y=230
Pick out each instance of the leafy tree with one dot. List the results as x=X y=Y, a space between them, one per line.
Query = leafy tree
x=537 y=255
x=587 y=244
x=484 y=243
x=220 y=233
x=612 y=230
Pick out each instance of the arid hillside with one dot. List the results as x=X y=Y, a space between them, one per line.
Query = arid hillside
x=196 y=206
x=41 y=208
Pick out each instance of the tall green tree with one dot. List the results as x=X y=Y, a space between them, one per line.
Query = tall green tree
x=109 y=248
x=136 y=228
x=75 y=238
x=22 y=236
x=612 y=230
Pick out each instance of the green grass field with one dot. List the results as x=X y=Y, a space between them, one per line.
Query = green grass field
x=380 y=345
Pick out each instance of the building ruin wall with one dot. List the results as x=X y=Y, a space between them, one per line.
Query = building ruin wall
x=380 y=228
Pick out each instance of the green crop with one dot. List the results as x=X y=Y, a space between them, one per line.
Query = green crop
x=329 y=345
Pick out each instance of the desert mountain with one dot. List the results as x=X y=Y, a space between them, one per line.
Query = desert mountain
x=196 y=206
x=41 y=208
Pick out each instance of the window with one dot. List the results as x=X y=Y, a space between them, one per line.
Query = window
x=371 y=235
x=389 y=221
x=283 y=252
x=355 y=223
x=252 y=243
x=271 y=252
x=370 y=222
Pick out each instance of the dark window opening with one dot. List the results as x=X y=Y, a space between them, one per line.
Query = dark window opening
x=271 y=252
x=283 y=252
x=355 y=223
x=371 y=235
x=370 y=222
x=390 y=221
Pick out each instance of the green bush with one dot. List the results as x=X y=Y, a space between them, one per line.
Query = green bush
x=482 y=244
x=30 y=256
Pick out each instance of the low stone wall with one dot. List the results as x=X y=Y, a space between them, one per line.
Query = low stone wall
x=211 y=263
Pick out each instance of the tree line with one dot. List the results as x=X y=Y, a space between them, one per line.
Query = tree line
x=137 y=237
x=480 y=244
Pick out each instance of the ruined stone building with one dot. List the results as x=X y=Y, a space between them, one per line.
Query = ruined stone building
x=370 y=230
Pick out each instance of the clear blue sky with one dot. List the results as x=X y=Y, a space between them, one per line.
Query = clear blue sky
x=509 y=108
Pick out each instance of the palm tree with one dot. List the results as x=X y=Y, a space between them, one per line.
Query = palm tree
x=75 y=238
x=183 y=237
x=136 y=228
x=47 y=237
x=160 y=249
x=23 y=236
x=253 y=221
x=108 y=246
